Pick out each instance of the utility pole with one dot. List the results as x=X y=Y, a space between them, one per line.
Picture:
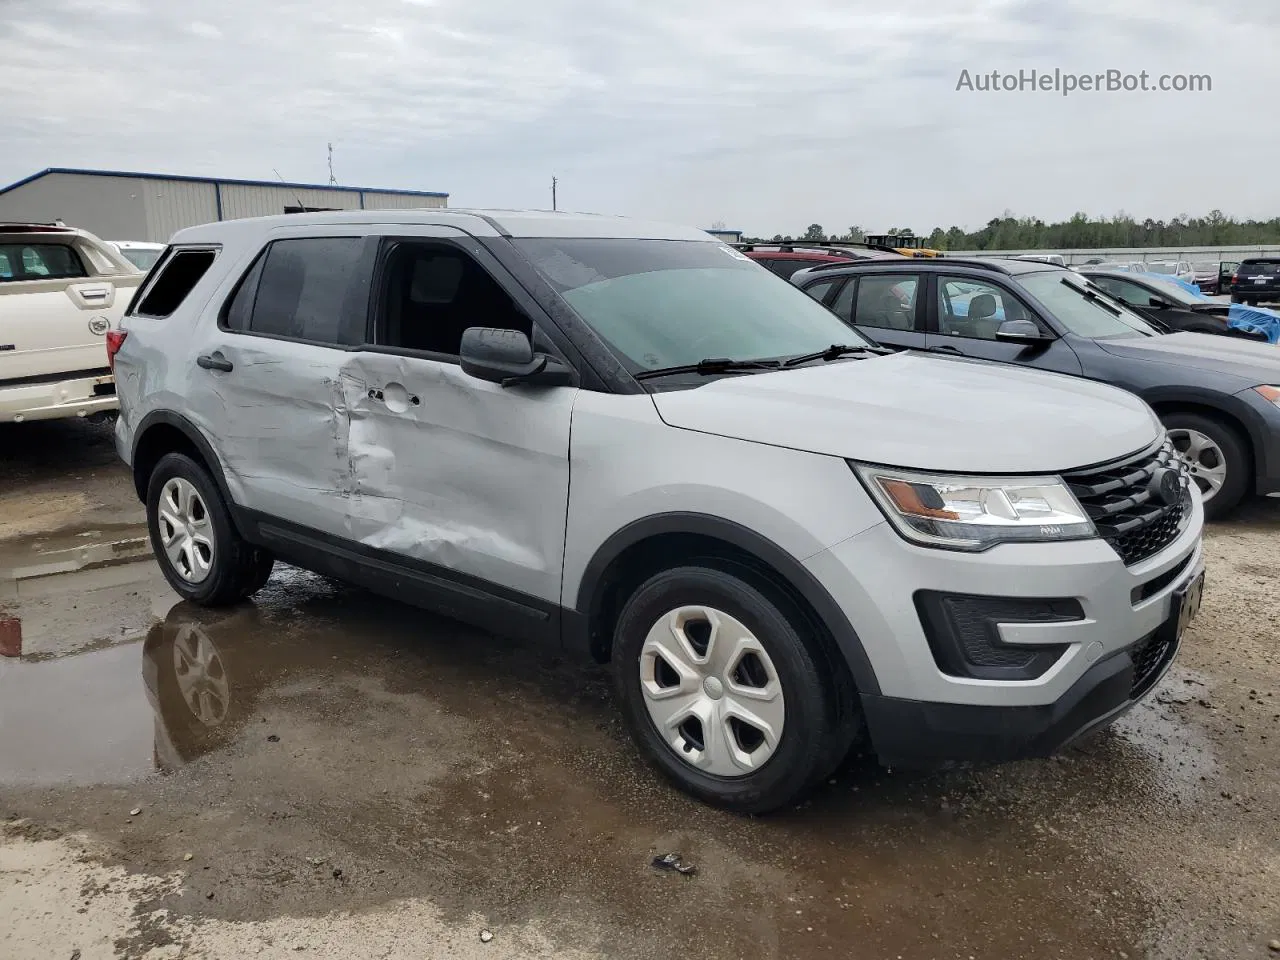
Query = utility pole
x=333 y=181
x=554 y=181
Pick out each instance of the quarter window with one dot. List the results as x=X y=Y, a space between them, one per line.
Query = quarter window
x=820 y=289
x=177 y=278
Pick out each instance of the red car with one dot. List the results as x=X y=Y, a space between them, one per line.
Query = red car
x=784 y=259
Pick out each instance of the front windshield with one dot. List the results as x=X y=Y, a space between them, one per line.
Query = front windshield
x=1085 y=310
x=667 y=303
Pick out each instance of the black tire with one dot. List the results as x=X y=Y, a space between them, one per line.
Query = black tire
x=235 y=564
x=259 y=572
x=816 y=732
x=1235 y=453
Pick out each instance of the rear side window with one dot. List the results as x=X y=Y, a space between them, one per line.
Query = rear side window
x=175 y=279
x=314 y=289
x=785 y=268
x=39 y=261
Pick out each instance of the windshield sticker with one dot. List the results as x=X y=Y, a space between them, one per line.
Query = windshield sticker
x=736 y=254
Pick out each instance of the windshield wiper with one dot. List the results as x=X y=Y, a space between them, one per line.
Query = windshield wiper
x=709 y=367
x=835 y=351
x=1092 y=297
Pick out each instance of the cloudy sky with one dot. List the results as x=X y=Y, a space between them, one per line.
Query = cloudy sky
x=764 y=114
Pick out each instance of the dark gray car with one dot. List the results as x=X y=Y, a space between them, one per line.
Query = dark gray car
x=1219 y=397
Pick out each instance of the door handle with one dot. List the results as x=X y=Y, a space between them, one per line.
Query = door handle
x=215 y=361
x=944 y=348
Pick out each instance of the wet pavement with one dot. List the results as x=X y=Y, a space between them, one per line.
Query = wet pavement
x=322 y=755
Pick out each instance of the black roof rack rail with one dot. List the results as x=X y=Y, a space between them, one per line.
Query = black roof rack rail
x=833 y=247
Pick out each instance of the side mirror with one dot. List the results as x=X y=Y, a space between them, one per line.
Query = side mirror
x=507 y=357
x=1020 y=331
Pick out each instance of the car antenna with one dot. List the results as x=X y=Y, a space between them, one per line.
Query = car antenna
x=302 y=207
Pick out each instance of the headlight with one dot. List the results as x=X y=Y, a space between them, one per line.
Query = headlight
x=975 y=513
x=1270 y=393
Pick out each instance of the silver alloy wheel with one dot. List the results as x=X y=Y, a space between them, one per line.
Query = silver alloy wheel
x=185 y=530
x=1204 y=457
x=202 y=679
x=712 y=691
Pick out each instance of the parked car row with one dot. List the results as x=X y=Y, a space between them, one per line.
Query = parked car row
x=630 y=441
x=1217 y=396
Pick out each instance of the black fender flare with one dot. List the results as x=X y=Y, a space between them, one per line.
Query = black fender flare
x=198 y=440
x=804 y=583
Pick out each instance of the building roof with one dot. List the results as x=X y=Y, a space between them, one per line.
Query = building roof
x=478 y=223
x=133 y=175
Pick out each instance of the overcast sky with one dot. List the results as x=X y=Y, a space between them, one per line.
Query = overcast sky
x=765 y=114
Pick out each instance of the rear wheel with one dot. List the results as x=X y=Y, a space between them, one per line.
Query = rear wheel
x=1217 y=456
x=722 y=692
x=199 y=551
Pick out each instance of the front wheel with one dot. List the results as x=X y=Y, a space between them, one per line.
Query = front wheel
x=1217 y=456
x=722 y=692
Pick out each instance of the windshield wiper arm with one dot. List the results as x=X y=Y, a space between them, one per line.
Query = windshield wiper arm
x=835 y=351
x=1092 y=298
x=709 y=367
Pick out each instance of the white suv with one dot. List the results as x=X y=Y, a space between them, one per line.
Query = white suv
x=628 y=440
x=62 y=291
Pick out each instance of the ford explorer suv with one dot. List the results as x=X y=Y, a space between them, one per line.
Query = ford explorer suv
x=1256 y=280
x=61 y=291
x=1219 y=397
x=626 y=440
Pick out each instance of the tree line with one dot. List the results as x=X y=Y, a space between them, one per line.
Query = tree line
x=1080 y=232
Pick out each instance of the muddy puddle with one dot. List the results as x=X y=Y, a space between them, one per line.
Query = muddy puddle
x=322 y=749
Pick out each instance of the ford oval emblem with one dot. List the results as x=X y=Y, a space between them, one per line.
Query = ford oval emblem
x=1165 y=486
x=99 y=325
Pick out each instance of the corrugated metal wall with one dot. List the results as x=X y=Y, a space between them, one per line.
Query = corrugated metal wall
x=140 y=208
x=242 y=201
x=386 y=200
x=110 y=207
x=172 y=205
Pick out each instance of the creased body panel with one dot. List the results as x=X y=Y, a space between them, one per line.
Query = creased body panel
x=472 y=476
x=280 y=420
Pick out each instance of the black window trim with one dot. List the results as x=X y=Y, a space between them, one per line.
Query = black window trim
x=836 y=283
x=153 y=275
x=933 y=326
x=368 y=241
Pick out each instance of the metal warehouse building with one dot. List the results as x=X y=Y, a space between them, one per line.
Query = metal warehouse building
x=118 y=205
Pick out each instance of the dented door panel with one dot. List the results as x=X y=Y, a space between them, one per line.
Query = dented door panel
x=473 y=477
x=280 y=418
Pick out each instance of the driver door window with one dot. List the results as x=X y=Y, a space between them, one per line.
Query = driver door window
x=975 y=309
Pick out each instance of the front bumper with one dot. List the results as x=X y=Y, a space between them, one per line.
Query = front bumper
x=78 y=397
x=923 y=713
x=913 y=734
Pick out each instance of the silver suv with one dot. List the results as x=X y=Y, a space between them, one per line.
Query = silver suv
x=628 y=440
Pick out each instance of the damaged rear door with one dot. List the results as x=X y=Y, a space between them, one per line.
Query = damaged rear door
x=465 y=479
x=269 y=380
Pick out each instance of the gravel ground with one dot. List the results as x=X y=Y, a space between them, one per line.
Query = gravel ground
x=323 y=773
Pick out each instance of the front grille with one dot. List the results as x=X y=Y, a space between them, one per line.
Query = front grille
x=1149 y=656
x=1127 y=514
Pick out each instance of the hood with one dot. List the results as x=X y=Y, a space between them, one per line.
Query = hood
x=1250 y=361
x=926 y=412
